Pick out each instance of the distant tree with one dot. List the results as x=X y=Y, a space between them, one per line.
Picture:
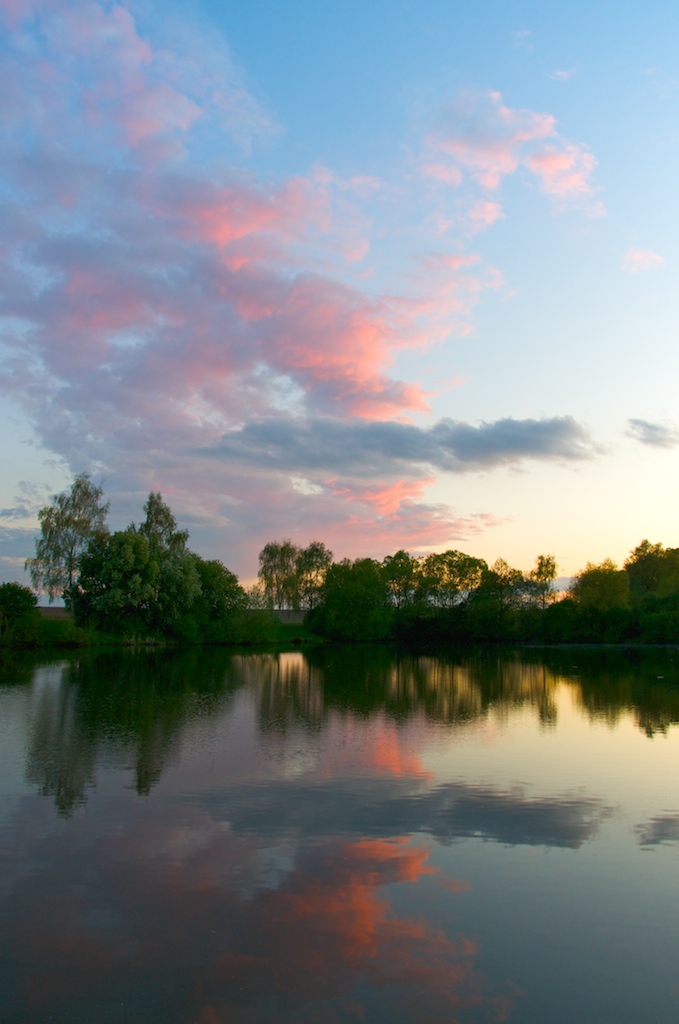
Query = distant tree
x=311 y=566
x=653 y=569
x=17 y=605
x=256 y=597
x=355 y=603
x=278 y=574
x=449 y=577
x=505 y=584
x=541 y=578
x=68 y=526
x=603 y=586
x=492 y=609
x=401 y=573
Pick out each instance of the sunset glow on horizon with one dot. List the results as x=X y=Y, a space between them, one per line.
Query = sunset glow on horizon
x=402 y=277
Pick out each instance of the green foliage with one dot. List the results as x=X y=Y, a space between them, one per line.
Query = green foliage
x=177 y=591
x=602 y=587
x=540 y=580
x=160 y=527
x=355 y=603
x=16 y=601
x=292 y=577
x=17 y=612
x=449 y=577
x=311 y=566
x=218 y=611
x=659 y=623
x=141 y=582
x=68 y=525
x=119 y=582
x=493 y=605
x=401 y=572
x=278 y=574
x=144 y=583
x=652 y=569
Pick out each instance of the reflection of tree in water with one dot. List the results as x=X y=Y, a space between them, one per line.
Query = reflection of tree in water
x=288 y=688
x=18 y=667
x=454 y=688
x=459 y=687
x=459 y=691
x=643 y=682
x=61 y=757
x=122 y=708
x=132 y=707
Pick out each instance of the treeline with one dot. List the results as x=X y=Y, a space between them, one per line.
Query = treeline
x=145 y=583
x=454 y=597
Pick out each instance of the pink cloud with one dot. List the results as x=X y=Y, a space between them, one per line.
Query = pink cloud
x=387 y=498
x=447 y=173
x=485 y=212
x=563 y=171
x=233 y=211
x=489 y=141
x=639 y=260
x=485 y=137
x=154 y=306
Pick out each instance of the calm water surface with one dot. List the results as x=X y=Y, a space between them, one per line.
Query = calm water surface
x=340 y=835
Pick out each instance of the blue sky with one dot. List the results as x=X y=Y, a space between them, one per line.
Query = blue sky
x=382 y=275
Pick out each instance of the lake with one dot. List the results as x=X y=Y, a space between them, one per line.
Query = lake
x=338 y=835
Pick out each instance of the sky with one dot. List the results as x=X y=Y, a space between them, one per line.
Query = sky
x=382 y=275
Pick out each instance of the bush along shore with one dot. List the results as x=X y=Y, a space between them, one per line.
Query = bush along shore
x=144 y=586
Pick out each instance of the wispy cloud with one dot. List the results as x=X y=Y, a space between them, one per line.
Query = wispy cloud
x=27 y=503
x=487 y=140
x=522 y=39
x=563 y=75
x=640 y=260
x=656 y=435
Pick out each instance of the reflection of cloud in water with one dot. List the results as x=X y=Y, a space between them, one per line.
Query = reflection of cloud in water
x=451 y=811
x=663 y=828
x=116 y=928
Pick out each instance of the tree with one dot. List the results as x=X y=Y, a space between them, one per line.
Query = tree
x=601 y=586
x=402 y=575
x=355 y=603
x=68 y=525
x=220 y=602
x=278 y=573
x=160 y=526
x=119 y=584
x=130 y=586
x=17 y=605
x=492 y=611
x=142 y=581
x=653 y=569
x=540 y=579
x=311 y=566
x=504 y=584
x=449 y=577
